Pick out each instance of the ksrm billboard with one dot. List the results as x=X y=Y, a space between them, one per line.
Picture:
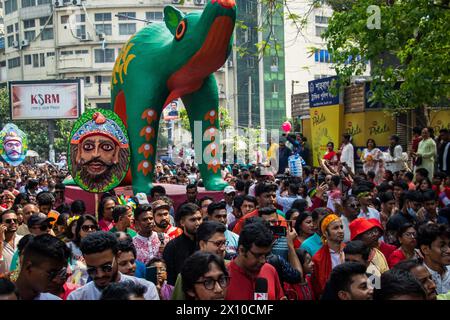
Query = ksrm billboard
x=46 y=99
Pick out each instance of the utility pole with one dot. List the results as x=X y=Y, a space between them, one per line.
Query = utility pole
x=249 y=101
x=51 y=139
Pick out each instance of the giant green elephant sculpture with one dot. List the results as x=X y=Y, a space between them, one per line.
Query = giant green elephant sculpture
x=170 y=60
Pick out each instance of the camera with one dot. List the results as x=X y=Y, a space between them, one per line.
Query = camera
x=278 y=231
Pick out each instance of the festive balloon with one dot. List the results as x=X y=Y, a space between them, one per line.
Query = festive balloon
x=13 y=144
x=166 y=61
x=286 y=126
x=98 y=154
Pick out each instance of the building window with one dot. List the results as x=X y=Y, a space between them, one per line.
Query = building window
x=274 y=64
x=10 y=29
x=42 y=59
x=87 y=80
x=16 y=26
x=126 y=29
x=105 y=16
x=28 y=3
x=249 y=6
x=27 y=59
x=66 y=53
x=250 y=62
x=80 y=18
x=64 y=19
x=43 y=20
x=10 y=7
x=10 y=41
x=124 y=15
x=322 y=56
x=35 y=60
x=102 y=79
x=29 y=35
x=103 y=28
x=104 y=56
x=322 y=19
x=50 y=54
x=81 y=51
x=103 y=105
x=81 y=31
x=44 y=2
x=30 y=23
x=47 y=34
x=320 y=30
x=2 y=64
x=154 y=16
x=13 y=63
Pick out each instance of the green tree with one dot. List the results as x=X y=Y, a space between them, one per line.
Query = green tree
x=36 y=130
x=408 y=53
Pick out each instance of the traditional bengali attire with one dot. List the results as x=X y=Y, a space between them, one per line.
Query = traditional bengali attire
x=427 y=149
x=371 y=163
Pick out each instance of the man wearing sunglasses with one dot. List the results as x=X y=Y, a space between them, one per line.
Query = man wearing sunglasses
x=8 y=237
x=39 y=224
x=44 y=260
x=100 y=252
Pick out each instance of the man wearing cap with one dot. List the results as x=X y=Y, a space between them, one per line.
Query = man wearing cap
x=330 y=254
x=162 y=221
x=39 y=224
x=363 y=193
x=99 y=153
x=229 y=193
x=368 y=232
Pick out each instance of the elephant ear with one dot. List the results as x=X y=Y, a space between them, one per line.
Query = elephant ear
x=172 y=17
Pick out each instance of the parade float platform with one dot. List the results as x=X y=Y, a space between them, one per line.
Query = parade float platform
x=176 y=192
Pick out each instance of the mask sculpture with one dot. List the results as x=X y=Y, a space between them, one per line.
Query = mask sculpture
x=13 y=144
x=166 y=61
x=98 y=151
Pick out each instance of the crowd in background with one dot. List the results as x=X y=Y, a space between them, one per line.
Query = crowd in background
x=349 y=229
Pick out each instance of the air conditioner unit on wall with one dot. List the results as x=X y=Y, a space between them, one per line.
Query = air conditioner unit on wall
x=76 y=2
x=24 y=43
x=58 y=3
x=15 y=44
x=176 y=1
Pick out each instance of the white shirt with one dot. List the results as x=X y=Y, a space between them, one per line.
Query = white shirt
x=373 y=213
x=8 y=251
x=230 y=218
x=398 y=163
x=346 y=224
x=442 y=282
x=348 y=156
x=90 y=292
x=47 y=296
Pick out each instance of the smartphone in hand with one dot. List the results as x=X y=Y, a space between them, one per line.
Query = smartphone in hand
x=151 y=274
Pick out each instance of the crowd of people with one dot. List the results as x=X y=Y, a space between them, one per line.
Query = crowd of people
x=337 y=232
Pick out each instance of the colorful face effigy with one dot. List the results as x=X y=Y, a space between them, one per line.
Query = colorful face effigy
x=13 y=144
x=98 y=151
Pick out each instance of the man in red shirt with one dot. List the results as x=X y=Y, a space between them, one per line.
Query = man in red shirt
x=266 y=197
x=255 y=244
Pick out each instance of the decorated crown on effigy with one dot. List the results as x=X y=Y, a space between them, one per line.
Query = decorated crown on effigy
x=100 y=125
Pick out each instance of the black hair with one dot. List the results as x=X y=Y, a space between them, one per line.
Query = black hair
x=140 y=209
x=341 y=277
x=62 y=219
x=386 y=197
x=32 y=183
x=196 y=266
x=347 y=136
x=157 y=189
x=396 y=142
x=396 y=283
x=44 y=247
x=63 y=208
x=78 y=207
x=101 y=205
x=186 y=209
x=428 y=233
x=126 y=246
x=123 y=290
x=208 y=228
x=265 y=187
x=330 y=142
x=298 y=223
x=301 y=254
x=300 y=205
x=240 y=185
x=250 y=198
x=423 y=172
x=118 y=212
x=414 y=195
x=60 y=186
x=384 y=187
x=336 y=180
x=255 y=233
x=373 y=141
x=155 y=260
x=7 y=286
x=238 y=202
x=79 y=223
x=290 y=212
x=320 y=212
x=429 y=195
x=403 y=229
x=191 y=186
x=417 y=130
x=200 y=201
x=22 y=196
x=409 y=175
x=99 y=241
x=213 y=206
x=408 y=265
x=267 y=211
x=23 y=242
x=371 y=174
x=401 y=184
x=45 y=198
x=358 y=247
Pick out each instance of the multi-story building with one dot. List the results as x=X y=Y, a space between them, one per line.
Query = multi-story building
x=66 y=39
x=260 y=77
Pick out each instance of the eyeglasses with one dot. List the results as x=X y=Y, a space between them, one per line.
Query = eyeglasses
x=219 y=243
x=10 y=221
x=106 y=268
x=210 y=283
x=410 y=235
x=258 y=256
x=372 y=232
x=87 y=228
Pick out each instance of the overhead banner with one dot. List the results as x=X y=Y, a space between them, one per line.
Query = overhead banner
x=52 y=99
x=326 y=125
